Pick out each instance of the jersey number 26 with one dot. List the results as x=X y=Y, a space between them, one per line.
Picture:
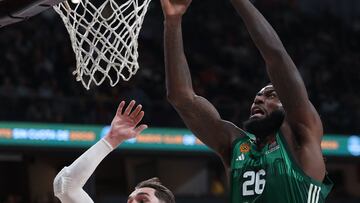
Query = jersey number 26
x=255 y=183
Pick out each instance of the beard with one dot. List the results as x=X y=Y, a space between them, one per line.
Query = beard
x=263 y=127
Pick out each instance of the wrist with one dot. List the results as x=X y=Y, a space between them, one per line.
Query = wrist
x=173 y=19
x=114 y=141
x=109 y=146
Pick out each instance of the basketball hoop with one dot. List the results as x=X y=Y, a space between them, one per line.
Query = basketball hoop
x=104 y=36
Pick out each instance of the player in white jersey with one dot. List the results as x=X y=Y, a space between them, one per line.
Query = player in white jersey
x=70 y=180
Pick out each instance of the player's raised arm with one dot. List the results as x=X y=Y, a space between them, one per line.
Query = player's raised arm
x=198 y=113
x=70 y=180
x=300 y=113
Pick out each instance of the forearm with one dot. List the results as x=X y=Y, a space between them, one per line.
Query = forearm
x=69 y=181
x=199 y=114
x=178 y=78
x=261 y=32
x=280 y=67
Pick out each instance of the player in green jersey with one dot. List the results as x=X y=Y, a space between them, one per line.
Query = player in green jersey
x=277 y=156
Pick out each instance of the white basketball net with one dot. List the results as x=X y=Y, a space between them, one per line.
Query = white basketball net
x=104 y=37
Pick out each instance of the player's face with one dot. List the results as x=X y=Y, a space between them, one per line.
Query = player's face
x=143 y=195
x=266 y=101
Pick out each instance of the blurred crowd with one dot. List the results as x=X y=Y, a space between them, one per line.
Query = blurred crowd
x=36 y=64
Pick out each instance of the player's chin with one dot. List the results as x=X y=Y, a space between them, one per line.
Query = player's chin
x=257 y=116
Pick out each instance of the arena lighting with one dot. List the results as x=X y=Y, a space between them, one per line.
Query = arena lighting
x=354 y=145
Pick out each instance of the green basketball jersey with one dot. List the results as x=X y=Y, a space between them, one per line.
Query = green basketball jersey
x=270 y=175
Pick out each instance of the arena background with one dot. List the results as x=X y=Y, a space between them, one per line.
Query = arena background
x=48 y=119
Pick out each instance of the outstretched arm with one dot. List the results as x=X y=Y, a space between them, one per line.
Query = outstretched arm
x=301 y=115
x=304 y=130
x=70 y=180
x=199 y=115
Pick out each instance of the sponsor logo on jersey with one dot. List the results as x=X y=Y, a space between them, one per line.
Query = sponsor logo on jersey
x=244 y=147
x=272 y=147
x=240 y=158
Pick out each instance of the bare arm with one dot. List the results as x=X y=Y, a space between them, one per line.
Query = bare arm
x=304 y=130
x=199 y=115
x=70 y=180
x=301 y=115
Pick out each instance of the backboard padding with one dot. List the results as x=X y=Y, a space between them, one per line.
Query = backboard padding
x=12 y=11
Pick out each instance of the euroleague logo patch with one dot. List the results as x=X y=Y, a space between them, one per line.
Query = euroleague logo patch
x=245 y=147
